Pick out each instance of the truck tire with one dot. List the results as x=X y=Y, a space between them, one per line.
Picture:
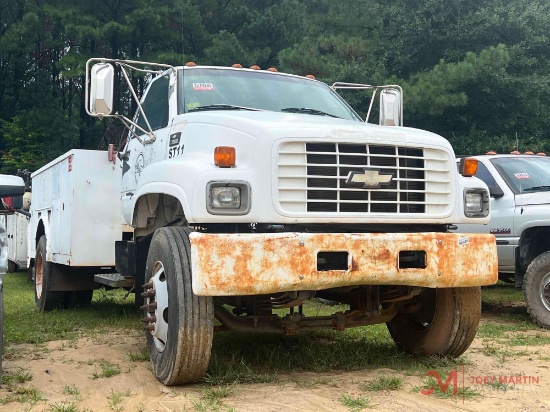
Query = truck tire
x=444 y=322
x=179 y=337
x=536 y=289
x=12 y=267
x=30 y=274
x=45 y=299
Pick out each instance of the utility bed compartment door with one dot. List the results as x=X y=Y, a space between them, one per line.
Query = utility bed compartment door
x=82 y=191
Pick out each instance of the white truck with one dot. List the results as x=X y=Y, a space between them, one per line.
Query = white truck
x=519 y=186
x=17 y=237
x=9 y=186
x=17 y=226
x=240 y=191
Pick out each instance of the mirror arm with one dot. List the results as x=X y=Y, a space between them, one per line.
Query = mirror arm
x=147 y=132
x=371 y=103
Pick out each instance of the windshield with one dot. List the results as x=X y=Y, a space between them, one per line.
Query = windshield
x=525 y=174
x=229 y=89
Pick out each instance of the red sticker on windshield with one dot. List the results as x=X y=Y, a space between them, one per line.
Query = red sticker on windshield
x=203 y=86
x=522 y=176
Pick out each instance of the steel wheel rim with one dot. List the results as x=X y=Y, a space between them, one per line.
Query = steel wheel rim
x=423 y=319
x=544 y=291
x=160 y=325
x=38 y=276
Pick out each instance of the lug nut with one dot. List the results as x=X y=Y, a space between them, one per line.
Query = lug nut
x=149 y=294
x=150 y=307
x=148 y=285
x=149 y=319
x=149 y=327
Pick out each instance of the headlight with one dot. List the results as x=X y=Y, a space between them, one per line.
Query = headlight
x=476 y=202
x=228 y=198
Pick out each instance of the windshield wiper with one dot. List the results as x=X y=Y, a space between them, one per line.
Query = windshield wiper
x=220 y=107
x=307 y=110
x=535 y=188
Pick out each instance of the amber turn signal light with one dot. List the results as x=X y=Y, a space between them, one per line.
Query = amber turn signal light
x=468 y=166
x=224 y=156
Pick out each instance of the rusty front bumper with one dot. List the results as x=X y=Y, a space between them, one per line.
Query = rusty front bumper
x=253 y=264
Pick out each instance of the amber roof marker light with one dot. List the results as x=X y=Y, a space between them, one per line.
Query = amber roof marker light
x=468 y=166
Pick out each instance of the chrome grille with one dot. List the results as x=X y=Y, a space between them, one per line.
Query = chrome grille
x=313 y=178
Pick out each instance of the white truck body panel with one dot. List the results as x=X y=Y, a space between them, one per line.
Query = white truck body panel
x=77 y=196
x=3 y=249
x=17 y=232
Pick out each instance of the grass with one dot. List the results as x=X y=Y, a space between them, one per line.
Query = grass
x=73 y=391
x=108 y=369
x=502 y=295
x=116 y=399
x=63 y=407
x=211 y=399
x=23 y=324
x=141 y=356
x=354 y=403
x=431 y=386
x=21 y=394
x=313 y=383
x=383 y=383
x=10 y=377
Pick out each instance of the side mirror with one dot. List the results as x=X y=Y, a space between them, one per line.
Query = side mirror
x=495 y=191
x=391 y=107
x=102 y=77
x=11 y=186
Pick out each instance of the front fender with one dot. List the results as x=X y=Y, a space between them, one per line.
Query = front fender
x=165 y=188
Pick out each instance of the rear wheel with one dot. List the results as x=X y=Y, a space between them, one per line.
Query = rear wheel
x=45 y=299
x=179 y=324
x=12 y=267
x=536 y=289
x=438 y=322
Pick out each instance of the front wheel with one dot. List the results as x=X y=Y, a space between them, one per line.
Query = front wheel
x=438 y=322
x=536 y=289
x=179 y=324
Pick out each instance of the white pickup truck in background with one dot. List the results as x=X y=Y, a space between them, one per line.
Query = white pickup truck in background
x=519 y=186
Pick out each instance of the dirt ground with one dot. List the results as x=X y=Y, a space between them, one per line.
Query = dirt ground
x=62 y=365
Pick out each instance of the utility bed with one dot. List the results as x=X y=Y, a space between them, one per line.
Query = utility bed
x=80 y=191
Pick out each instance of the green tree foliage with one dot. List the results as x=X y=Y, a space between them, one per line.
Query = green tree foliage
x=475 y=72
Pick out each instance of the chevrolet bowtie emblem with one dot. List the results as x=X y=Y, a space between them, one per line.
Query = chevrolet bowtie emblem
x=369 y=178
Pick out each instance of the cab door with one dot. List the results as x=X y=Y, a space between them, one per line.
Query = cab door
x=503 y=211
x=140 y=151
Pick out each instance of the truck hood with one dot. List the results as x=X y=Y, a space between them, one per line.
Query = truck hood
x=538 y=198
x=259 y=123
